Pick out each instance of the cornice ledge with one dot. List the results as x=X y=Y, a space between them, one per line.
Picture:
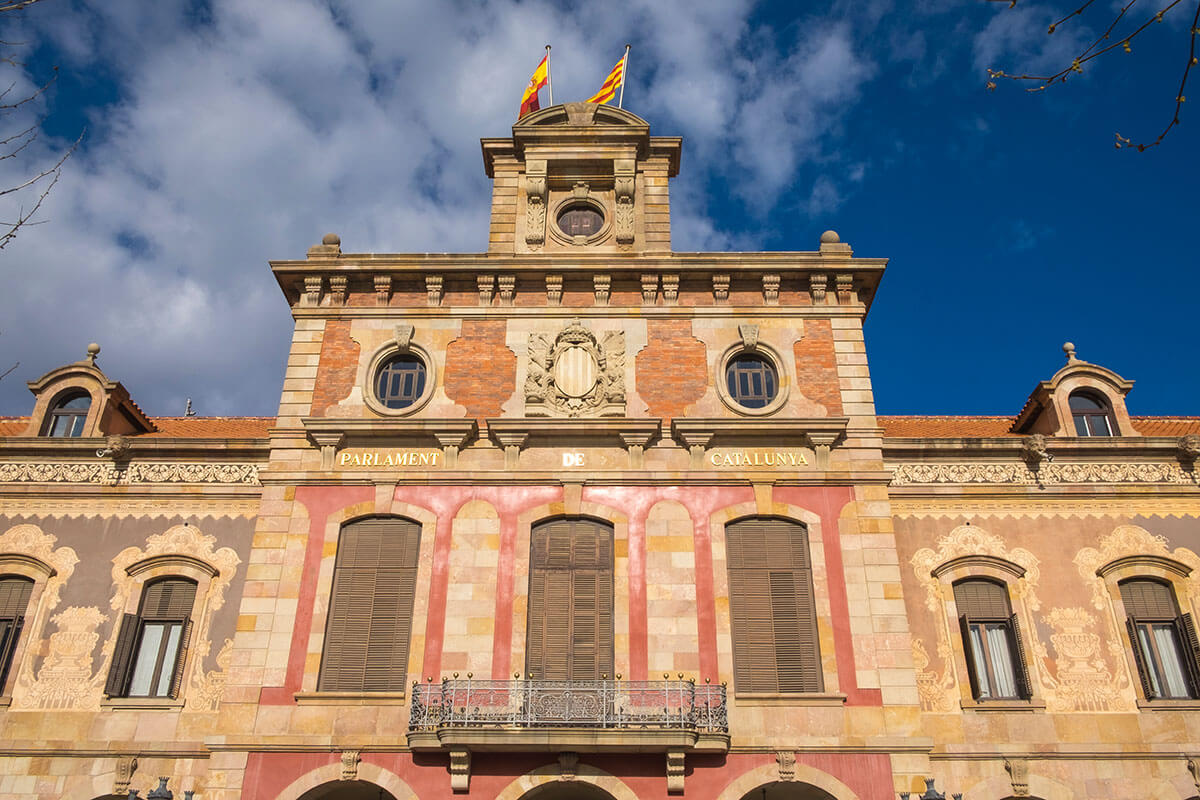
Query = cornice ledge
x=819 y=433
x=331 y=434
x=626 y=432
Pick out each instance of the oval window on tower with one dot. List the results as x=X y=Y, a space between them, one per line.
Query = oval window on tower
x=580 y=220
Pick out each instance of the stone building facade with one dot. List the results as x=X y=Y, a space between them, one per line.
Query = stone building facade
x=583 y=516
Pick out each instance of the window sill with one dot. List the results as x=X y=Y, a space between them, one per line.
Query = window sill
x=1004 y=705
x=350 y=698
x=1191 y=704
x=789 y=699
x=141 y=704
x=5 y=701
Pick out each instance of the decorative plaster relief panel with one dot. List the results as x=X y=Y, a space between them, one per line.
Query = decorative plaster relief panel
x=575 y=374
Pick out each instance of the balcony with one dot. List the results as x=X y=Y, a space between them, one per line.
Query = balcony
x=560 y=716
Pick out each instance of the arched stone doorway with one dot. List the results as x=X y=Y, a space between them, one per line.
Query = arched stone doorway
x=347 y=790
x=567 y=790
x=787 y=791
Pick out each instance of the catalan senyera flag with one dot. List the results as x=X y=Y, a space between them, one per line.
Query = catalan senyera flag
x=529 y=100
x=611 y=84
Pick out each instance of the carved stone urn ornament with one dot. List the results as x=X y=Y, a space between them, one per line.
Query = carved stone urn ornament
x=575 y=374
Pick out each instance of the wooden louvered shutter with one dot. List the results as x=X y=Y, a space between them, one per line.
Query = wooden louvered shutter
x=10 y=631
x=1148 y=600
x=14 y=596
x=981 y=599
x=122 y=663
x=1020 y=665
x=185 y=639
x=772 y=607
x=1140 y=659
x=170 y=599
x=1191 y=646
x=370 y=611
x=570 y=630
x=964 y=625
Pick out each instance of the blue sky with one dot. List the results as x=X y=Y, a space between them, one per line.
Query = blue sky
x=223 y=134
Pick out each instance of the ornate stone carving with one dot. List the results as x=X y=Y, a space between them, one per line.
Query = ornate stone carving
x=670 y=289
x=1034 y=451
x=1189 y=448
x=1018 y=775
x=785 y=760
x=350 y=759
x=816 y=286
x=1013 y=473
x=721 y=288
x=312 y=290
x=935 y=693
x=649 y=288
x=770 y=283
x=66 y=680
x=623 y=187
x=554 y=290
x=207 y=689
x=172 y=472
x=126 y=766
x=1193 y=768
x=602 y=286
x=337 y=289
x=749 y=334
x=575 y=374
x=487 y=287
x=433 y=290
x=116 y=447
x=383 y=289
x=535 y=203
x=508 y=288
x=1082 y=680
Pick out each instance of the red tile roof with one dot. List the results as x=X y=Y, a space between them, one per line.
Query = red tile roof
x=916 y=427
x=178 y=427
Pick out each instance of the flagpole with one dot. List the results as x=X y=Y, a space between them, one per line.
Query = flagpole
x=549 y=83
x=624 y=67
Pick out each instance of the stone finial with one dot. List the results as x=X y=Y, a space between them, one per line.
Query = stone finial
x=1069 y=349
x=830 y=237
x=331 y=245
x=93 y=350
x=331 y=238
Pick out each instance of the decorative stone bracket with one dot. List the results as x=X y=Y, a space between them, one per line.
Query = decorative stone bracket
x=460 y=770
x=633 y=435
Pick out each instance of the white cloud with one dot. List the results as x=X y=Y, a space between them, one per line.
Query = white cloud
x=246 y=134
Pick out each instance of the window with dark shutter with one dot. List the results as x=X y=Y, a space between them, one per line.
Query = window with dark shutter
x=773 y=614
x=1164 y=641
x=991 y=641
x=370 y=608
x=152 y=645
x=14 y=598
x=570 y=632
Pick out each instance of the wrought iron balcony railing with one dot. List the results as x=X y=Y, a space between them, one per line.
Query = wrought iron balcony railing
x=603 y=705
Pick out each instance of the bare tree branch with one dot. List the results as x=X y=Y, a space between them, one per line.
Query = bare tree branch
x=1098 y=48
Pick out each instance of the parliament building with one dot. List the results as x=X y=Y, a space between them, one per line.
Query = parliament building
x=584 y=517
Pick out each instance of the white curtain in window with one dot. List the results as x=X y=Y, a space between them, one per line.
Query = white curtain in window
x=1002 y=666
x=1172 y=665
x=980 y=663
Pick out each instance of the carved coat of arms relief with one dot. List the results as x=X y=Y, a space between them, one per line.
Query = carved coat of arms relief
x=575 y=374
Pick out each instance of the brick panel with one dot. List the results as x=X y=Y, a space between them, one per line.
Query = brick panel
x=337 y=368
x=816 y=366
x=672 y=369
x=481 y=372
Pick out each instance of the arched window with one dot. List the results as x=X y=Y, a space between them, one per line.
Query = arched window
x=774 y=621
x=152 y=644
x=570 y=634
x=991 y=641
x=68 y=414
x=371 y=605
x=14 y=599
x=1091 y=414
x=1164 y=641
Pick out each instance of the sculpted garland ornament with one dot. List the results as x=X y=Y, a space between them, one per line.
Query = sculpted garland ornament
x=576 y=374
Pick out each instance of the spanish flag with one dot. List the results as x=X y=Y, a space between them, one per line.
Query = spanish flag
x=529 y=100
x=611 y=84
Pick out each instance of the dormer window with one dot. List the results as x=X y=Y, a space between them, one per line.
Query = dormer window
x=68 y=415
x=1092 y=415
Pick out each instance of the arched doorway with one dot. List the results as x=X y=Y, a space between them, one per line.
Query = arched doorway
x=567 y=790
x=347 y=790
x=787 y=791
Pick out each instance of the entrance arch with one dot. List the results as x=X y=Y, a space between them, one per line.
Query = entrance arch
x=790 y=790
x=347 y=790
x=567 y=790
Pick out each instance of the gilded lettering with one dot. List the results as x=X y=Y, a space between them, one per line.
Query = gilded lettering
x=715 y=458
x=343 y=459
x=424 y=459
x=728 y=460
